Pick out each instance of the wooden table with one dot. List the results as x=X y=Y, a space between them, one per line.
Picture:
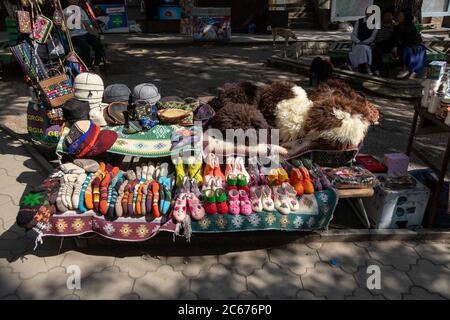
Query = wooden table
x=358 y=206
x=438 y=127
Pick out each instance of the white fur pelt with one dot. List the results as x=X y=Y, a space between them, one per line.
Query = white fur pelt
x=290 y=115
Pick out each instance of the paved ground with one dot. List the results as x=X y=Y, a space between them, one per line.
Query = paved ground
x=409 y=270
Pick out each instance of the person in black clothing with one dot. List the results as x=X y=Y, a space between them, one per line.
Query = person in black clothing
x=362 y=39
x=409 y=46
x=384 y=42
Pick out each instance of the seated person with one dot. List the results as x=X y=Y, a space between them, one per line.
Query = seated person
x=384 y=42
x=409 y=46
x=84 y=37
x=362 y=39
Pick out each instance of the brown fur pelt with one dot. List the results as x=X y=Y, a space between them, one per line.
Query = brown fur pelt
x=243 y=92
x=272 y=94
x=356 y=102
x=239 y=116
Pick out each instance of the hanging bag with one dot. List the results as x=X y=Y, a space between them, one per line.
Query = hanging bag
x=42 y=28
x=24 y=21
x=56 y=90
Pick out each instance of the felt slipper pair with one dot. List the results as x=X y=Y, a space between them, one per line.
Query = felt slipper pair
x=190 y=201
x=215 y=201
x=239 y=203
x=194 y=170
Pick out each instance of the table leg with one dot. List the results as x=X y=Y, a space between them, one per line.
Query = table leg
x=412 y=133
x=429 y=222
x=360 y=211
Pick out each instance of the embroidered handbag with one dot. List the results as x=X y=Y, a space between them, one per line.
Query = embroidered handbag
x=24 y=21
x=42 y=28
x=56 y=90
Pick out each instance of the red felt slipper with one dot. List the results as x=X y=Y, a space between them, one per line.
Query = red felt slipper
x=209 y=201
x=221 y=200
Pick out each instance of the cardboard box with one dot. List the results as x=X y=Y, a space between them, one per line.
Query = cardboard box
x=397 y=208
x=397 y=164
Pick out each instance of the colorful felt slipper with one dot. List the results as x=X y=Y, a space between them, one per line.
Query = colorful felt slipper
x=297 y=181
x=232 y=181
x=209 y=201
x=256 y=199
x=291 y=194
x=281 y=200
x=209 y=166
x=221 y=200
x=268 y=204
x=124 y=202
x=242 y=183
x=308 y=185
x=179 y=211
x=273 y=179
x=196 y=209
x=195 y=170
x=179 y=171
x=240 y=167
x=217 y=170
x=229 y=166
x=282 y=176
x=233 y=202
x=246 y=207
x=130 y=200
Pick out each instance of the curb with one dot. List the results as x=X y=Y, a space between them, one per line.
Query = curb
x=30 y=149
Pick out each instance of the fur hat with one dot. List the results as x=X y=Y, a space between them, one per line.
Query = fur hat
x=243 y=92
x=239 y=116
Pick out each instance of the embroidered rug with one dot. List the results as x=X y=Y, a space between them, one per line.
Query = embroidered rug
x=153 y=143
x=72 y=223
x=315 y=214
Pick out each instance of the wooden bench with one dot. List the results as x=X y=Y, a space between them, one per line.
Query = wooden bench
x=354 y=199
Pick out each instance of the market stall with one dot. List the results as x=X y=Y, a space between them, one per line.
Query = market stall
x=289 y=158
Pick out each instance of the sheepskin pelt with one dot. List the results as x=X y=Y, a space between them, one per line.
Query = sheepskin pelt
x=243 y=92
x=272 y=94
x=336 y=117
x=239 y=116
x=337 y=121
x=290 y=115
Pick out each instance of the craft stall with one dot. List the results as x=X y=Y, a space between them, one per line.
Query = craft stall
x=186 y=175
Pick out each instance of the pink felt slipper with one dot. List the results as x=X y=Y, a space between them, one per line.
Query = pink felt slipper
x=179 y=211
x=233 y=202
x=195 y=207
x=246 y=207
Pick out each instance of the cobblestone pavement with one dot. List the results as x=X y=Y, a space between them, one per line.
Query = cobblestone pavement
x=409 y=270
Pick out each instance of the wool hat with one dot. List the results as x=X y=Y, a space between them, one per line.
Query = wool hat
x=75 y=110
x=97 y=114
x=147 y=92
x=88 y=87
x=105 y=140
x=87 y=144
x=117 y=92
x=78 y=133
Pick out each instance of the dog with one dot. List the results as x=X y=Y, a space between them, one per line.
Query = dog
x=284 y=33
x=320 y=69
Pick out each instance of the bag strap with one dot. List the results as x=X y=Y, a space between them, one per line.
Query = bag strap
x=66 y=29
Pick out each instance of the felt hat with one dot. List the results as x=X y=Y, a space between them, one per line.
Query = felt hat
x=75 y=110
x=87 y=144
x=146 y=92
x=78 y=133
x=97 y=114
x=114 y=113
x=105 y=140
x=117 y=92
